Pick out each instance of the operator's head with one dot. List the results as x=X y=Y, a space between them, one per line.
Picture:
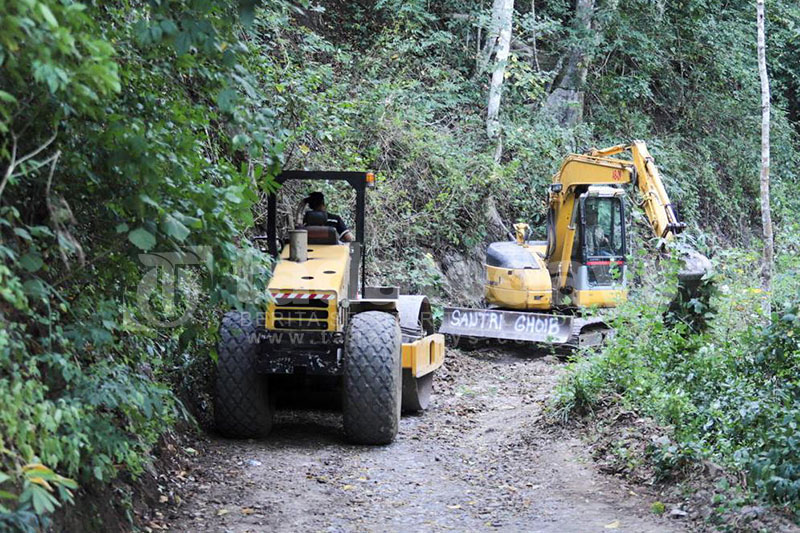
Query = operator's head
x=316 y=201
x=591 y=216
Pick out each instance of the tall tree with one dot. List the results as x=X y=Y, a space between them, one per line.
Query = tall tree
x=766 y=214
x=502 y=15
x=565 y=102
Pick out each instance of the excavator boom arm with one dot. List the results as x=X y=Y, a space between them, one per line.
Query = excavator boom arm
x=655 y=200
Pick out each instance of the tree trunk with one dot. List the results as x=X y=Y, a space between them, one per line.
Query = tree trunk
x=766 y=214
x=565 y=102
x=492 y=39
x=503 y=11
x=533 y=36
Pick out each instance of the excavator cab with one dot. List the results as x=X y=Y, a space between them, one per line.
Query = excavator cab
x=598 y=259
x=596 y=275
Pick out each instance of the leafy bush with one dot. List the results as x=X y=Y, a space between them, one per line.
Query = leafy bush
x=124 y=131
x=729 y=394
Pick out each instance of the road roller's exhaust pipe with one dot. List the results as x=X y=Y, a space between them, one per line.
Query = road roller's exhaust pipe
x=298 y=245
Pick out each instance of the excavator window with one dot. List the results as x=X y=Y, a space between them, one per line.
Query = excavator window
x=603 y=227
x=603 y=238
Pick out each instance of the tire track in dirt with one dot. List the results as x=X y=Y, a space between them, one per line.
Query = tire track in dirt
x=480 y=459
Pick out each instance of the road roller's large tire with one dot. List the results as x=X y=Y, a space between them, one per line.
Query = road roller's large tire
x=372 y=378
x=242 y=408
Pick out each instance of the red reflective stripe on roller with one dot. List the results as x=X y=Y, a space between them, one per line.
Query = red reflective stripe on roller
x=592 y=263
x=299 y=296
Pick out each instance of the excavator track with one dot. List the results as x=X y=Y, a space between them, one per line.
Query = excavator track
x=466 y=327
x=590 y=331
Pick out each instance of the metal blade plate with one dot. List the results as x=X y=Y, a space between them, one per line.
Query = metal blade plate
x=508 y=325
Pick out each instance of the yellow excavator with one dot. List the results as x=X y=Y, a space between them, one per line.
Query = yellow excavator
x=535 y=290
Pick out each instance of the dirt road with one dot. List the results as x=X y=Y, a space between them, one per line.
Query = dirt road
x=481 y=459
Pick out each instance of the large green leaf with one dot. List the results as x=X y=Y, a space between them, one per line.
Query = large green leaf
x=169 y=27
x=142 y=239
x=174 y=228
x=183 y=42
x=35 y=287
x=31 y=261
x=47 y=14
x=23 y=233
x=43 y=501
x=226 y=99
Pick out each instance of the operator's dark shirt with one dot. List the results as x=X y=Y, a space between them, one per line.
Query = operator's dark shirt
x=336 y=221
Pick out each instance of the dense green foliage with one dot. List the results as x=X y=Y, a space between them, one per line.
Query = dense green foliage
x=399 y=91
x=153 y=126
x=125 y=129
x=729 y=394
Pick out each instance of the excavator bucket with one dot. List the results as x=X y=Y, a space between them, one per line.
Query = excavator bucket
x=507 y=325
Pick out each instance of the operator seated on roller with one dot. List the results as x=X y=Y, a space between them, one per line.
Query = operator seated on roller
x=316 y=203
x=596 y=239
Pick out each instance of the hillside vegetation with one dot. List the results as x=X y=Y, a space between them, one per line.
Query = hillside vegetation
x=155 y=126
